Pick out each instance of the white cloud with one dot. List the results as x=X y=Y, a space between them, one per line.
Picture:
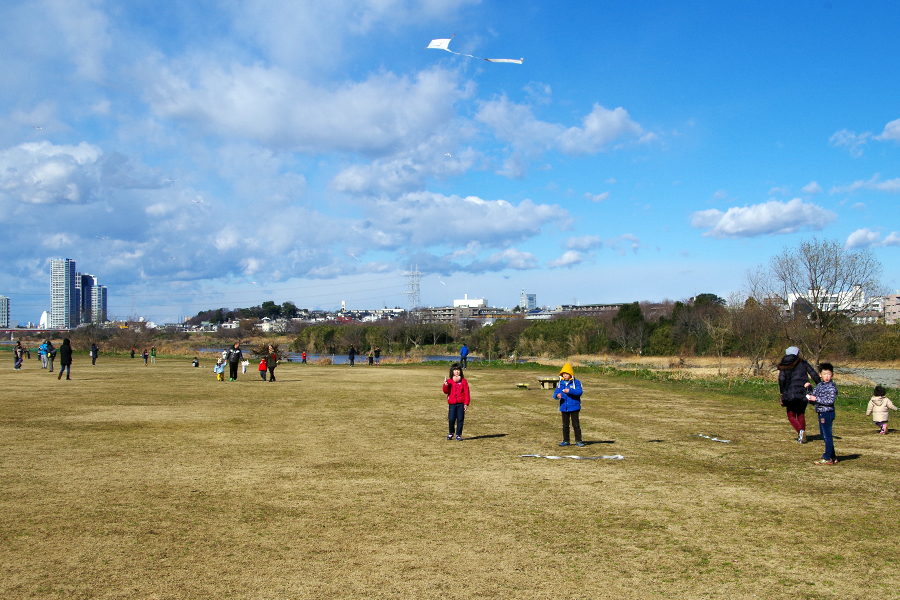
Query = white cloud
x=811 y=188
x=862 y=238
x=598 y=197
x=720 y=195
x=381 y=114
x=310 y=34
x=865 y=238
x=585 y=242
x=891 y=186
x=44 y=173
x=425 y=219
x=779 y=191
x=769 y=218
x=851 y=140
x=568 y=259
x=517 y=125
x=891 y=131
x=406 y=171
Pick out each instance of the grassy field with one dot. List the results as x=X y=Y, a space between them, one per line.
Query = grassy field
x=159 y=482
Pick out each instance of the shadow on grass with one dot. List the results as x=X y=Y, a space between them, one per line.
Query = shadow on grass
x=847 y=457
x=587 y=443
x=482 y=437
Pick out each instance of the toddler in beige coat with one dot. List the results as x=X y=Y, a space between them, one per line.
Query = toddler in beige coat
x=879 y=407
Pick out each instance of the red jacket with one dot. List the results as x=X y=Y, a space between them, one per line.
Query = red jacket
x=457 y=393
x=262 y=365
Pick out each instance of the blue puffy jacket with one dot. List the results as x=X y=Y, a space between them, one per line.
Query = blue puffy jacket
x=571 y=395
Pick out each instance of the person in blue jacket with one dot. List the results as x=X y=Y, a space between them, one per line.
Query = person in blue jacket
x=464 y=357
x=568 y=392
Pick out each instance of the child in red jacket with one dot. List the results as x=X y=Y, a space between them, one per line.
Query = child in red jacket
x=457 y=389
x=262 y=369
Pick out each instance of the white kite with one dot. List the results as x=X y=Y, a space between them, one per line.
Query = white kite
x=714 y=439
x=608 y=457
x=444 y=45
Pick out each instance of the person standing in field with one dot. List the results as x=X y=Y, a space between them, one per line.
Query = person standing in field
x=94 y=351
x=219 y=370
x=145 y=355
x=303 y=358
x=262 y=368
x=464 y=357
x=568 y=391
x=794 y=374
x=352 y=354
x=42 y=352
x=457 y=389
x=51 y=356
x=65 y=359
x=879 y=407
x=377 y=355
x=271 y=362
x=235 y=356
x=823 y=396
x=153 y=355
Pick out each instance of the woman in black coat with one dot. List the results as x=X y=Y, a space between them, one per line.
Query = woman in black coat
x=794 y=374
x=65 y=358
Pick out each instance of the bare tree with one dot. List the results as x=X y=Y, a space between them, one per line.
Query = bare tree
x=753 y=329
x=815 y=290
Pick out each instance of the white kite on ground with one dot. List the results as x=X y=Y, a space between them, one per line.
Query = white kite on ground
x=715 y=439
x=444 y=45
x=609 y=457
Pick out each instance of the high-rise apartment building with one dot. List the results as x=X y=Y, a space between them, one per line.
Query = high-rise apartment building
x=65 y=301
x=98 y=303
x=4 y=311
x=86 y=284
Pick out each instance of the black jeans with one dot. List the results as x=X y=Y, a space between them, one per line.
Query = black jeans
x=232 y=369
x=576 y=425
x=272 y=373
x=456 y=415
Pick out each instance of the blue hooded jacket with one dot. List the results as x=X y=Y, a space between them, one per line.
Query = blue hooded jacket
x=570 y=392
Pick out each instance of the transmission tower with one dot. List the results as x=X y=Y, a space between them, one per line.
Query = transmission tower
x=413 y=289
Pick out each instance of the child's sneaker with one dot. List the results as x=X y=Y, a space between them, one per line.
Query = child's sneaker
x=579 y=444
x=884 y=429
x=450 y=437
x=823 y=461
x=459 y=438
x=564 y=443
x=802 y=437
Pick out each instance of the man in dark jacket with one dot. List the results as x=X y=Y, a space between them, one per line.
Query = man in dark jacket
x=235 y=356
x=794 y=374
x=65 y=358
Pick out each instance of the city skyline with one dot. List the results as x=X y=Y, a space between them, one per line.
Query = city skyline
x=202 y=156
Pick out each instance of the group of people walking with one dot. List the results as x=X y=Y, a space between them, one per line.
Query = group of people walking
x=795 y=382
x=47 y=352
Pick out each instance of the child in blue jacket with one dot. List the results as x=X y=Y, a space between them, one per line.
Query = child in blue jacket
x=568 y=392
x=823 y=397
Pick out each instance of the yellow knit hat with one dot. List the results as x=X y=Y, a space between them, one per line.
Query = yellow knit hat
x=567 y=368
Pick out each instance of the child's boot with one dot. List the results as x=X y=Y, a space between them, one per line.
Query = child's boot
x=884 y=429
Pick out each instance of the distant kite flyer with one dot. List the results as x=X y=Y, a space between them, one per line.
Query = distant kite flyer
x=444 y=45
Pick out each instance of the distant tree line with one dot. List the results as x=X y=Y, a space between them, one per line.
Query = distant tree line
x=703 y=326
x=269 y=308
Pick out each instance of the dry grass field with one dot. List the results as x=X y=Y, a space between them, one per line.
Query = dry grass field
x=159 y=482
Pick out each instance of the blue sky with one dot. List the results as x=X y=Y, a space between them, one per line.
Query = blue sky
x=194 y=155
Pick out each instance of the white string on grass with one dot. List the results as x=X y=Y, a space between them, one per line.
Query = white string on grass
x=608 y=457
x=715 y=439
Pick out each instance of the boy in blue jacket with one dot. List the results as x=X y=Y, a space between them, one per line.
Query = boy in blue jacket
x=568 y=392
x=823 y=397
